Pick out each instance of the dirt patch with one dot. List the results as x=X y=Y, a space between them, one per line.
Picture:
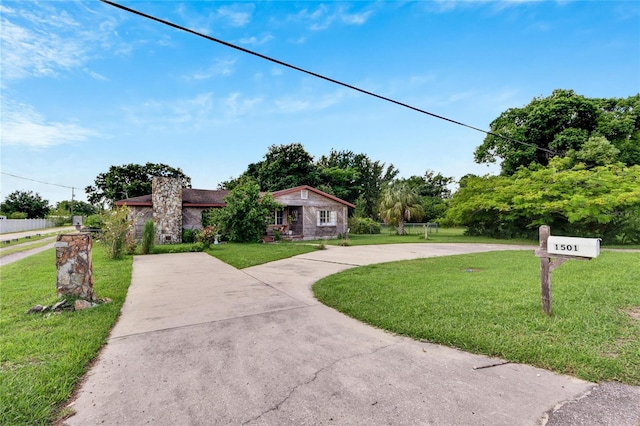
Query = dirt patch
x=633 y=312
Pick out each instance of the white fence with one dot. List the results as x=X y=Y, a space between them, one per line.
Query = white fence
x=18 y=225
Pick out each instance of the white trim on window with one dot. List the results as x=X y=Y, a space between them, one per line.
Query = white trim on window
x=304 y=194
x=279 y=219
x=326 y=218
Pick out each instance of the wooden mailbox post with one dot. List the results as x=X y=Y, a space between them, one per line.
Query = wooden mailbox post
x=562 y=249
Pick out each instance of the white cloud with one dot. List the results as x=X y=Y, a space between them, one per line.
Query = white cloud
x=322 y=17
x=22 y=125
x=295 y=104
x=194 y=112
x=235 y=17
x=43 y=40
x=255 y=41
x=222 y=67
x=35 y=52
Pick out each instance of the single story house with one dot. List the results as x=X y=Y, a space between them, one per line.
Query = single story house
x=308 y=213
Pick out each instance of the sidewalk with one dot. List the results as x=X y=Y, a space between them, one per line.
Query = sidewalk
x=200 y=342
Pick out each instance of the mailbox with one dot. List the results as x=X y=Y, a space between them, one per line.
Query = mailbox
x=573 y=246
x=77 y=220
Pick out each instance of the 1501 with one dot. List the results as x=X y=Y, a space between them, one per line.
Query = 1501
x=566 y=247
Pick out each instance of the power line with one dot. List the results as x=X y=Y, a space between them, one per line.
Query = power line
x=320 y=76
x=39 y=181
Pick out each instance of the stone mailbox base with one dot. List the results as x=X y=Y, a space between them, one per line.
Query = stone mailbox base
x=73 y=263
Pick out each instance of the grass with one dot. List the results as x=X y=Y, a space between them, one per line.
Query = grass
x=489 y=303
x=24 y=247
x=44 y=355
x=415 y=234
x=245 y=255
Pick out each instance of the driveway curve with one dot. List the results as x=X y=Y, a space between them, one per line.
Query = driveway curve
x=200 y=343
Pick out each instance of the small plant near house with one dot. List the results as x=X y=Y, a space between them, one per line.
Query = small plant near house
x=189 y=236
x=322 y=245
x=207 y=235
x=148 y=236
x=114 y=231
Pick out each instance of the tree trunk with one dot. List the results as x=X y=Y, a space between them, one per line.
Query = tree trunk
x=400 y=227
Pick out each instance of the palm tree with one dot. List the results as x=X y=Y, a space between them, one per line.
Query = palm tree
x=400 y=203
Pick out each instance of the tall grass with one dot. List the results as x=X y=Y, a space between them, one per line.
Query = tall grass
x=42 y=356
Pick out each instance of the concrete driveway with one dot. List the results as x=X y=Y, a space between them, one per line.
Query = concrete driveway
x=200 y=343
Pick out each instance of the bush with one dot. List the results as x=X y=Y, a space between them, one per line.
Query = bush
x=207 y=235
x=363 y=225
x=17 y=215
x=148 y=236
x=114 y=231
x=189 y=236
x=94 y=221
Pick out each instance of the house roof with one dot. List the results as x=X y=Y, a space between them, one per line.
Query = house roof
x=215 y=197
x=277 y=194
x=190 y=198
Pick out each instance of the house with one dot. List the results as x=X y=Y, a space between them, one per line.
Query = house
x=308 y=213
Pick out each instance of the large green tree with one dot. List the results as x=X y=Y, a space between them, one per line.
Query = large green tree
x=352 y=177
x=130 y=180
x=245 y=216
x=434 y=191
x=362 y=178
x=26 y=202
x=559 y=125
x=602 y=201
x=78 y=208
x=399 y=204
x=283 y=166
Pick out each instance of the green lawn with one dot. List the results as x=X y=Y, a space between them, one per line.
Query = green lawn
x=489 y=303
x=42 y=356
x=245 y=255
x=25 y=247
x=415 y=234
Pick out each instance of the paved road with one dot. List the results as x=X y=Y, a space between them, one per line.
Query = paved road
x=200 y=342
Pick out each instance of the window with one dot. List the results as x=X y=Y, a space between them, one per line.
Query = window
x=304 y=194
x=280 y=217
x=326 y=218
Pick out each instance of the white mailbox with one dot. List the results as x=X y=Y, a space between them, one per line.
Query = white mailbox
x=573 y=246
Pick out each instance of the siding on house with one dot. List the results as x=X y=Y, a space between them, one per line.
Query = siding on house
x=312 y=205
x=317 y=214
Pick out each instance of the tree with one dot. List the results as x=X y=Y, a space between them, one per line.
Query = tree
x=25 y=202
x=400 y=203
x=362 y=179
x=244 y=219
x=284 y=166
x=603 y=202
x=434 y=193
x=130 y=180
x=79 y=208
x=561 y=123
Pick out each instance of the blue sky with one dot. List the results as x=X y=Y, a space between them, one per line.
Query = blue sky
x=86 y=86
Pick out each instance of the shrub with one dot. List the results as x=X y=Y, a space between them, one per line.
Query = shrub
x=189 y=236
x=17 y=215
x=114 y=231
x=363 y=225
x=94 y=221
x=207 y=235
x=148 y=236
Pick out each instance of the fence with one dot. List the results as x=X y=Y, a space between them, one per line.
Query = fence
x=415 y=228
x=18 y=225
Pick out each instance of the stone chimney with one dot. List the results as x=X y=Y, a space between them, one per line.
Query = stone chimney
x=166 y=197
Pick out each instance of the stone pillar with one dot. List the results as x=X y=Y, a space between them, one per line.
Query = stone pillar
x=73 y=263
x=167 y=209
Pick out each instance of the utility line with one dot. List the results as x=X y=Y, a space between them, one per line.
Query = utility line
x=284 y=64
x=39 y=181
